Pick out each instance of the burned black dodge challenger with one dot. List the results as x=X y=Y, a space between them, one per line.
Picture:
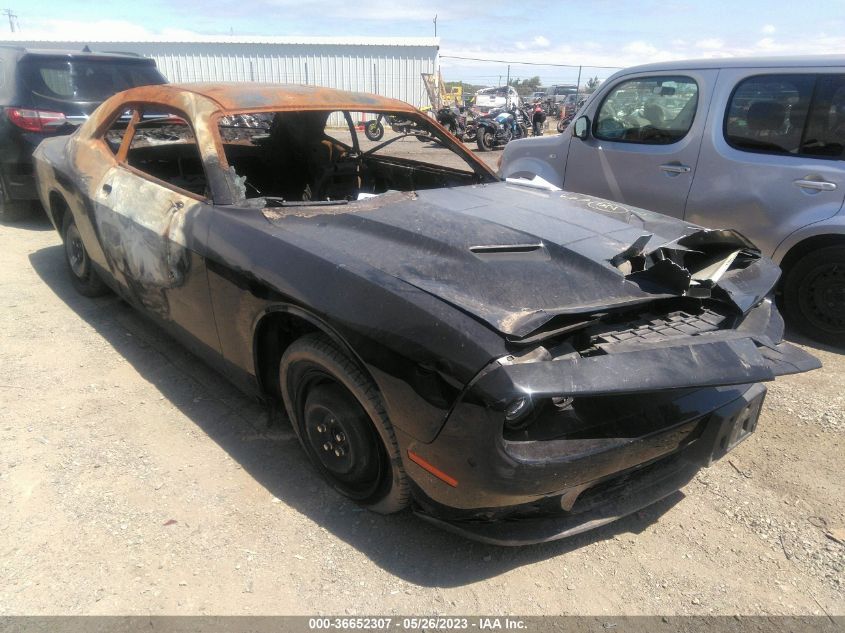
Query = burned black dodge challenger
x=515 y=362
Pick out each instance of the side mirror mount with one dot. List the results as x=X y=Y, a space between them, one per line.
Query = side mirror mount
x=582 y=127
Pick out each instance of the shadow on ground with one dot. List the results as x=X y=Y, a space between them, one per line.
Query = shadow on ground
x=35 y=220
x=403 y=544
x=794 y=336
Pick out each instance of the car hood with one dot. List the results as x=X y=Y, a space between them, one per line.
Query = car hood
x=516 y=257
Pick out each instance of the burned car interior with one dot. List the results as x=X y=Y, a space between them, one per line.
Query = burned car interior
x=163 y=145
x=318 y=156
x=294 y=156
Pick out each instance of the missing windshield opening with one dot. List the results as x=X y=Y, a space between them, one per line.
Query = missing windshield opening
x=320 y=156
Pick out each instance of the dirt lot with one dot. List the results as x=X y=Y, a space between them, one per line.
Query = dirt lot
x=133 y=479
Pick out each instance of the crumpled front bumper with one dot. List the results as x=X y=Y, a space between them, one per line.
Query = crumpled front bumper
x=611 y=497
x=725 y=357
x=687 y=392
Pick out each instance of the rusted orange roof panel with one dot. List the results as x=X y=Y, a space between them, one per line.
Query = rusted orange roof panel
x=252 y=96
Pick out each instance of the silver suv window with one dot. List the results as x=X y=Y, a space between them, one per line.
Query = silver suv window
x=788 y=114
x=653 y=110
x=767 y=113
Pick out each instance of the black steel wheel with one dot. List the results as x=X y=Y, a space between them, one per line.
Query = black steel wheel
x=814 y=295
x=82 y=275
x=341 y=424
x=346 y=444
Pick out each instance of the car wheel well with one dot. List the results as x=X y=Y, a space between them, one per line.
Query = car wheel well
x=274 y=334
x=58 y=208
x=806 y=246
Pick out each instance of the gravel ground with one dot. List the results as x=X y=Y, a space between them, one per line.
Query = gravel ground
x=135 y=480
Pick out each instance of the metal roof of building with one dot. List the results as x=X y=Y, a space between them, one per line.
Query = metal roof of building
x=11 y=38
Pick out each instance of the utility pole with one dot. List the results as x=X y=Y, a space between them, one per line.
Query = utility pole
x=12 y=18
x=507 y=89
x=435 y=25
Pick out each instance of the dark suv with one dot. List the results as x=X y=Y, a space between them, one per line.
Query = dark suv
x=50 y=92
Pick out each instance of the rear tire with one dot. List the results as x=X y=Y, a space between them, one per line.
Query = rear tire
x=814 y=295
x=82 y=275
x=13 y=210
x=341 y=423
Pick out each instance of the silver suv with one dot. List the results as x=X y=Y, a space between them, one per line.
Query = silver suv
x=755 y=144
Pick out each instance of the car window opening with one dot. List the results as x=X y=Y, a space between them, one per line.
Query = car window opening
x=164 y=147
x=310 y=157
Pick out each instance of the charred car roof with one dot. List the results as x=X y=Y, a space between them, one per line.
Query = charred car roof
x=243 y=97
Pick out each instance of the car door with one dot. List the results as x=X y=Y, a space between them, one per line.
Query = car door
x=643 y=145
x=772 y=156
x=152 y=217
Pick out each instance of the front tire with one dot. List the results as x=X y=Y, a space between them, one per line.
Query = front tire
x=485 y=139
x=374 y=130
x=814 y=295
x=341 y=423
x=82 y=275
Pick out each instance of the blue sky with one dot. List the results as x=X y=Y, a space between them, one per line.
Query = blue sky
x=592 y=33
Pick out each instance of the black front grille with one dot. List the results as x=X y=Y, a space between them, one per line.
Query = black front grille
x=654 y=328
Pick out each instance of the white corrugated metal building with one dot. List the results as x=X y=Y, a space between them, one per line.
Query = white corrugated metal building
x=387 y=66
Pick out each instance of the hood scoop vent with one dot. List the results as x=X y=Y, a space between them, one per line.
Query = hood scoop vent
x=504 y=252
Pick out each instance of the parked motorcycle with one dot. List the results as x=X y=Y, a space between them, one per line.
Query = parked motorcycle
x=563 y=123
x=500 y=129
x=456 y=120
x=374 y=129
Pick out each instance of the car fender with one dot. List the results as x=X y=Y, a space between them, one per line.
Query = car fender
x=544 y=156
x=834 y=225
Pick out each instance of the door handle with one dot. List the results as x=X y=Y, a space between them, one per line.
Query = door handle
x=107 y=188
x=816 y=185
x=675 y=168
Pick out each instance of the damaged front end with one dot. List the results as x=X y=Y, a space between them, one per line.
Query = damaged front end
x=594 y=416
x=713 y=323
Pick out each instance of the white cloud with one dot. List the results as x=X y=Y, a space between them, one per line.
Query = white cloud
x=711 y=43
x=768 y=29
x=98 y=30
x=541 y=42
x=639 y=47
